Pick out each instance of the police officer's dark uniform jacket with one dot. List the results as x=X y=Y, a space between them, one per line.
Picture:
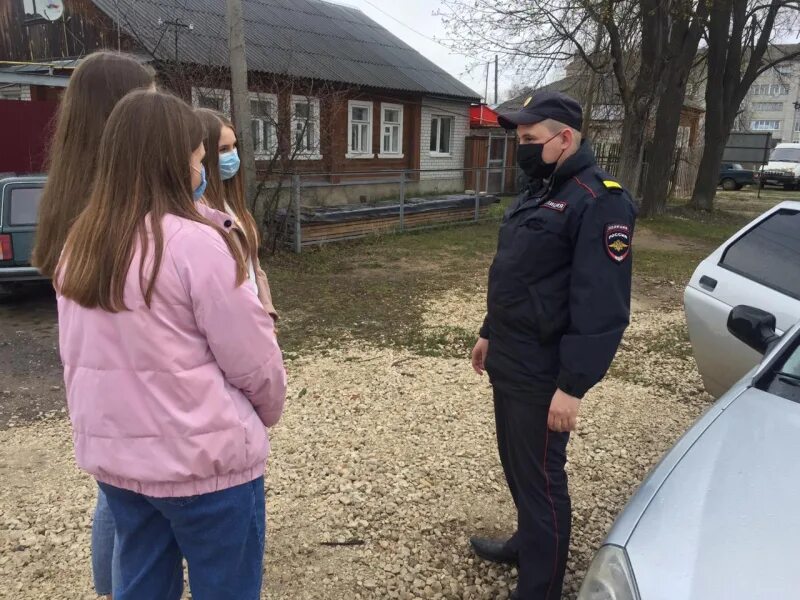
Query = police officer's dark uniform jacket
x=560 y=283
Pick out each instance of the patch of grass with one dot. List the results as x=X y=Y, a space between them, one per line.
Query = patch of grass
x=675 y=266
x=376 y=289
x=682 y=221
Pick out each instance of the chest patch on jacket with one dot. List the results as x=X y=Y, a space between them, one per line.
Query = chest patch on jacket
x=557 y=205
x=617 y=241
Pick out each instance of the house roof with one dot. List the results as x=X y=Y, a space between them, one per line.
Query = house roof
x=300 y=38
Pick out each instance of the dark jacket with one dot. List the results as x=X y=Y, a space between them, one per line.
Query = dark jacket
x=560 y=284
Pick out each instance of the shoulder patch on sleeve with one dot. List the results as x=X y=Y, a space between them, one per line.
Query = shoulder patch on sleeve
x=617 y=241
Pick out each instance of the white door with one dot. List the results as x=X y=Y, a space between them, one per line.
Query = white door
x=760 y=267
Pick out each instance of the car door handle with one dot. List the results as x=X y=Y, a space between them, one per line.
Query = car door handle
x=708 y=283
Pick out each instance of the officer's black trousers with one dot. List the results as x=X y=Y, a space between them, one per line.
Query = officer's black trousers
x=533 y=460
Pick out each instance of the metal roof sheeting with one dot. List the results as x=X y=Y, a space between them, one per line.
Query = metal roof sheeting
x=298 y=38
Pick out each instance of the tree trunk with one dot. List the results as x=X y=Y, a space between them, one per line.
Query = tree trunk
x=240 y=97
x=660 y=160
x=718 y=89
x=705 y=187
x=632 y=145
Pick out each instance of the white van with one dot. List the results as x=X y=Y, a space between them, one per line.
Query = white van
x=783 y=168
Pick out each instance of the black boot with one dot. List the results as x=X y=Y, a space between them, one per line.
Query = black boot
x=496 y=551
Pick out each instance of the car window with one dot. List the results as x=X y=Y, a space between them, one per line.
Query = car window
x=784 y=379
x=785 y=155
x=769 y=253
x=24 y=205
x=737 y=167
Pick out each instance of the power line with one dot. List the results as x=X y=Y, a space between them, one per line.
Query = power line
x=410 y=28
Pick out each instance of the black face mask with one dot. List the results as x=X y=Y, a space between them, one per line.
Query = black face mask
x=529 y=159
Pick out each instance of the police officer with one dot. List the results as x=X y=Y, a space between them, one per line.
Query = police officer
x=558 y=304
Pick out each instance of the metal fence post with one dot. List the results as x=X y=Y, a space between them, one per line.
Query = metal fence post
x=298 y=240
x=477 y=177
x=402 y=200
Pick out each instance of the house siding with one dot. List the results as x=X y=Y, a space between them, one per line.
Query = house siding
x=460 y=113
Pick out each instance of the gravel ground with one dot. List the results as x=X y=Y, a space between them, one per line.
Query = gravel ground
x=384 y=464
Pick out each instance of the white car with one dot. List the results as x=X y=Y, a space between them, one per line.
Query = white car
x=758 y=266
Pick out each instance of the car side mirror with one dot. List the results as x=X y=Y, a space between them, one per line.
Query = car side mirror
x=754 y=327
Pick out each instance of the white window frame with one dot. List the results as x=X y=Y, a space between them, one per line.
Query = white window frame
x=436 y=153
x=216 y=92
x=266 y=153
x=316 y=152
x=367 y=152
x=383 y=152
x=754 y=125
x=797 y=126
x=762 y=106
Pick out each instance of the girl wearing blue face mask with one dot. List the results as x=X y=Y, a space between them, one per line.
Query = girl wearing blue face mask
x=224 y=191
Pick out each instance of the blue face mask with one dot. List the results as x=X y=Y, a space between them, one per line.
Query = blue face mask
x=201 y=189
x=229 y=164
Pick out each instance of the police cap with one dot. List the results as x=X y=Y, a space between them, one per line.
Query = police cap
x=542 y=106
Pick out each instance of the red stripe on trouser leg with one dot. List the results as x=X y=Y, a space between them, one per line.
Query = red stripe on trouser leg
x=553 y=508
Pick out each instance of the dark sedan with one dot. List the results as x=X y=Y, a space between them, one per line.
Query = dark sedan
x=733 y=176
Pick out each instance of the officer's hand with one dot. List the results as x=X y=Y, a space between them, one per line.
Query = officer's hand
x=563 y=412
x=479 y=353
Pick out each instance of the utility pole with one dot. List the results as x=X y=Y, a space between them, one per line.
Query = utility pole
x=486 y=89
x=240 y=97
x=591 y=85
x=496 y=62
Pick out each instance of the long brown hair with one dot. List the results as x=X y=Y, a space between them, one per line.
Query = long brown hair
x=94 y=89
x=143 y=173
x=231 y=191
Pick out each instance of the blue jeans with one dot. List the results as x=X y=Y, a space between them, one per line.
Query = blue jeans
x=221 y=536
x=105 y=555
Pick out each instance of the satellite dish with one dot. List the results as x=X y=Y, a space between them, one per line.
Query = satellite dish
x=52 y=10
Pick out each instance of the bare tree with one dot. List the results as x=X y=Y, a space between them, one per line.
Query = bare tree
x=739 y=50
x=689 y=23
x=544 y=34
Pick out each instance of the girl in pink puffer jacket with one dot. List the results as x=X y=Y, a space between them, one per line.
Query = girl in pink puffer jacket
x=172 y=367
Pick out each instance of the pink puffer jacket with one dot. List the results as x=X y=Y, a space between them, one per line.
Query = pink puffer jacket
x=173 y=400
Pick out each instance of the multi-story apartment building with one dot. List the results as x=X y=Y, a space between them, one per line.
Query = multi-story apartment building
x=773 y=104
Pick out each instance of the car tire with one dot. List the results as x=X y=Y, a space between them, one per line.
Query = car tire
x=729 y=185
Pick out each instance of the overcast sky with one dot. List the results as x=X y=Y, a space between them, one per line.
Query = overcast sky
x=420 y=27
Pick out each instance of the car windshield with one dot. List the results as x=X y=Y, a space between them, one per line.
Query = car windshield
x=784 y=379
x=785 y=155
